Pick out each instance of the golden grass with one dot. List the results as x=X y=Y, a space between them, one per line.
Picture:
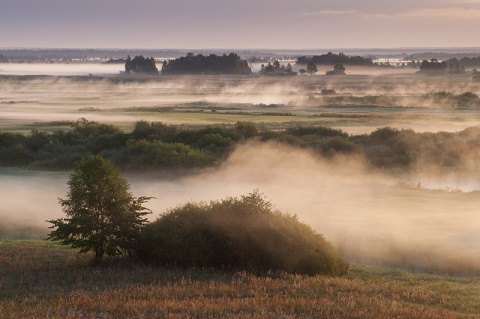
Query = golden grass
x=42 y=281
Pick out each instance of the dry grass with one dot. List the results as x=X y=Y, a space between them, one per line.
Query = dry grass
x=44 y=281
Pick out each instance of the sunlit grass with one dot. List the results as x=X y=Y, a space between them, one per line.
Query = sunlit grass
x=50 y=282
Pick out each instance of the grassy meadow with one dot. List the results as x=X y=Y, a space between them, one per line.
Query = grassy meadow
x=41 y=280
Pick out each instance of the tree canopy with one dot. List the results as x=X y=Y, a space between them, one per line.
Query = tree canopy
x=140 y=65
x=212 y=64
x=102 y=215
x=332 y=58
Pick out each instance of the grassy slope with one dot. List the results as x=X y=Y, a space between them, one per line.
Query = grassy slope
x=40 y=280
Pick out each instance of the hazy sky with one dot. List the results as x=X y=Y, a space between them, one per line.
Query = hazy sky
x=195 y=24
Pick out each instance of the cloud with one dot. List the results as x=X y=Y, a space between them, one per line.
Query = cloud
x=430 y=13
x=330 y=12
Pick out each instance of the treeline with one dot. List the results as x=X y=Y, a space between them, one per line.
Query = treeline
x=465 y=61
x=150 y=146
x=453 y=65
x=3 y=58
x=212 y=64
x=157 y=146
x=433 y=66
x=332 y=59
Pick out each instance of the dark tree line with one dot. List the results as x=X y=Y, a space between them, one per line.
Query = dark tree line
x=212 y=64
x=332 y=59
x=433 y=66
x=140 y=65
x=465 y=61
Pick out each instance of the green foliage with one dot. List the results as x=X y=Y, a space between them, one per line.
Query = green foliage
x=212 y=64
x=140 y=65
x=158 y=146
x=146 y=155
x=389 y=148
x=326 y=141
x=152 y=145
x=153 y=131
x=238 y=233
x=102 y=215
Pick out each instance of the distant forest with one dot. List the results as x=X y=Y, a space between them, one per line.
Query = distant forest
x=211 y=64
x=465 y=62
x=332 y=59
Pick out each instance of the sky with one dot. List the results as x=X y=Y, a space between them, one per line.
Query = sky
x=234 y=24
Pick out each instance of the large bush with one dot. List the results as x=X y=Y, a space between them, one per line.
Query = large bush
x=243 y=233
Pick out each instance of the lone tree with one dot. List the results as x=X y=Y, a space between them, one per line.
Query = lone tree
x=102 y=214
x=311 y=68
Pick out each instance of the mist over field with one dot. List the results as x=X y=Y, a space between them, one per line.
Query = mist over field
x=369 y=217
x=367 y=133
x=360 y=103
x=422 y=220
x=65 y=69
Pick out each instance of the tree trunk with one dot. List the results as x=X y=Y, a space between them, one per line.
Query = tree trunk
x=98 y=255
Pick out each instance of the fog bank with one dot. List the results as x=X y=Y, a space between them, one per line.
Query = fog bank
x=369 y=217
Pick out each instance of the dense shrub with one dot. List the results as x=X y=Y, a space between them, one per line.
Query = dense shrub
x=391 y=148
x=323 y=140
x=243 y=233
x=145 y=155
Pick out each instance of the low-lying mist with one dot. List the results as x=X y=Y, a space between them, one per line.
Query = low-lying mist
x=401 y=100
x=369 y=217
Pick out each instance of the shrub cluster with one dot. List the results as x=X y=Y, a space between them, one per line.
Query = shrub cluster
x=149 y=146
x=243 y=233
